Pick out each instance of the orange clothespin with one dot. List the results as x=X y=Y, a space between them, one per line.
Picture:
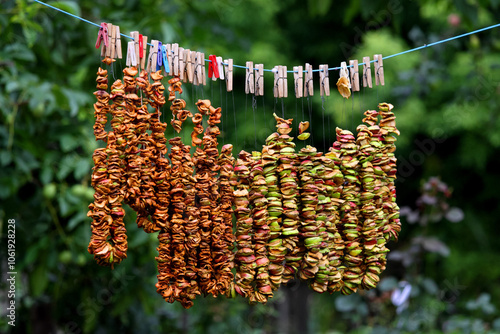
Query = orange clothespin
x=367 y=73
x=379 y=70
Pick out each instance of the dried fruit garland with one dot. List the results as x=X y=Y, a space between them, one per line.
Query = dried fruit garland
x=322 y=218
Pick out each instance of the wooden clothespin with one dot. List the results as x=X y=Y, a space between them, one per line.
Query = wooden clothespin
x=175 y=58
x=259 y=80
x=118 y=43
x=324 y=80
x=190 y=65
x=354 y=75
x=102 y=36
x=135 y=36
x=106 y=52
x=199 y=68
x=131 y=60
x=186 y=58
x=249 y=78
x=112 y=35
x=182 y=64
x=203 y=72
x=308 y=81
x=379 y=70
x=276 y=72
x=283 y=85
x=367 y=73
x=170 y=59
x=220 y=66
x=143 y=45
x=298 y=81
x=153 y=57
x=229 y=74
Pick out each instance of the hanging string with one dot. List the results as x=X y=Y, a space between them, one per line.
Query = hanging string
x=352 y=112
x=323 y=116
x=246 y=106
x=254 y=106
x=309 y=106
x=234 y=112
x=223 y=111
x=282 y=108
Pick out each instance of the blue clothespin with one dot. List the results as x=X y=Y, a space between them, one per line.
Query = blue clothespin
x=159 y=57
x=165 y=58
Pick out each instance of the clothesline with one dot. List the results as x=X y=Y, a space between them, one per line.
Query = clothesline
x=316 y=70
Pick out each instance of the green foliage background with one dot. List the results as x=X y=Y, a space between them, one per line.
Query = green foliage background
x=447 y=102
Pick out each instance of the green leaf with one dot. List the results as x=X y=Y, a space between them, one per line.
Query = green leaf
x=68 y=6
x=82 y=168
x=5 y=158
x=68 y=142
x=46 y=175
x=39 y=279
x=66 y=166
x=79 y=217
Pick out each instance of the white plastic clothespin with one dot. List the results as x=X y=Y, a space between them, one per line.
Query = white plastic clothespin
x=229 y=74
x=220 y=68
x=131 y=60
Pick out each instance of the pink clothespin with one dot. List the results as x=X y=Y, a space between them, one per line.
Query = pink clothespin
x=102 y=35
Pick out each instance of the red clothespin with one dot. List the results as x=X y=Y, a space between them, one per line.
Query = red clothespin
x=102 y=35
x=213 y=68
x=141 y=49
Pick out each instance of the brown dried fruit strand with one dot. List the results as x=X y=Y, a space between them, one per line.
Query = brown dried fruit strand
x=275 y=248
x=245 y=256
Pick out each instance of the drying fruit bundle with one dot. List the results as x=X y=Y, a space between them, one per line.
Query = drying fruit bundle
x=240 y=226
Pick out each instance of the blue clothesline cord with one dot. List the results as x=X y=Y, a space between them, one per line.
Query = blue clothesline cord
x=316 y=70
